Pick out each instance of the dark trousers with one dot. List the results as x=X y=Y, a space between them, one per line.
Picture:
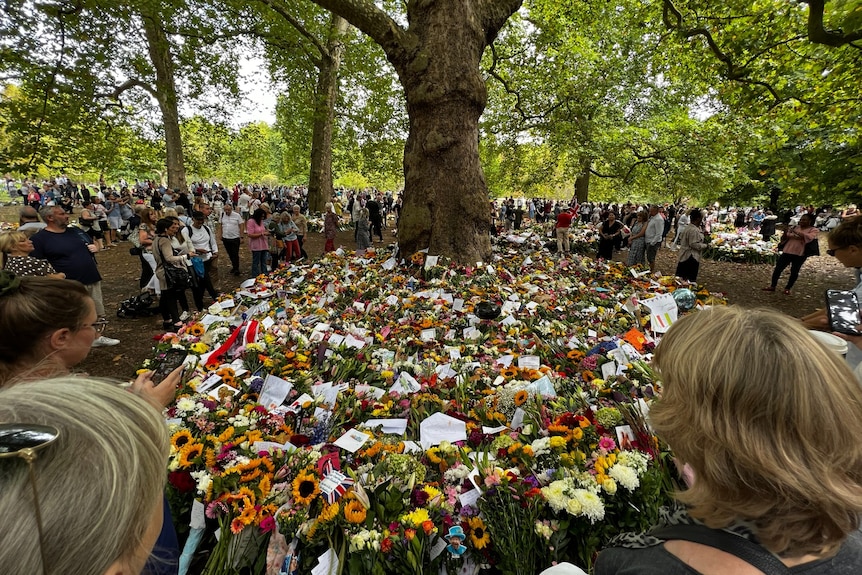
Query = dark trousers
x=231 y=246
x=205 y=284
x=795 y=262
x=688 y=269
x=377 y=228
x=168 y=300
x=301 y=247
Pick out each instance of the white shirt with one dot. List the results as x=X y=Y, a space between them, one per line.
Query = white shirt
x=231 y=226
x=242 y=202
x=203 y=241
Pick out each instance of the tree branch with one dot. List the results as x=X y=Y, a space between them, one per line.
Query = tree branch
x=818 y=34
x=493 y=14
x=128 y=85
x=372 y=21
x=281 y=10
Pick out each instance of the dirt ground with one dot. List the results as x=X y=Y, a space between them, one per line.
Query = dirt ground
x=741 y=283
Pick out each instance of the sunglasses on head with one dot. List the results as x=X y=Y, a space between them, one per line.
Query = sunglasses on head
x=23 y=440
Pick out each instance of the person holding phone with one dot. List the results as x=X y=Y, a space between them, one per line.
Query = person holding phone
x=793 y=252
x=845 y=245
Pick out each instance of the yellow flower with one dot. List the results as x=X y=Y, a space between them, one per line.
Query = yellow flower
x=189 y=453
x=247 y=515
x=417 y=517
x=226 y=435
x=181 y=438
x=329 y=512
x=305 y=489
x=577 y=434
x=478 y=534
x=354 y=512
x=521 y=397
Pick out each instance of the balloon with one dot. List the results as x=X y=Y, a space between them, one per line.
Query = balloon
x=684 y=298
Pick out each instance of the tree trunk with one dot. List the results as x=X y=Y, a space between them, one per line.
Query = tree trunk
x=166 y=93
x=582 y=182
x=446 y=205
x=326 y=94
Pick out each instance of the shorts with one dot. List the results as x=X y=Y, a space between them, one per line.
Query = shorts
x=651 y=251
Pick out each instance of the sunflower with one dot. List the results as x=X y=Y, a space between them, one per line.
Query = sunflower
x=181 y=438
x=478 y=534
x=305 y=489
x=226 y=371
x=521 y=397
x=354 y=512
x=247 y=515
x=329 y=512
x=509 y=372
x=189 y=453
x=575 y=355
x=226 y=435
x=197 y=330
x=588 y=376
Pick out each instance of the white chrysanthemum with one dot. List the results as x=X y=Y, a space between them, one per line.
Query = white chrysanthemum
x=203 y=480
x=591 y=505
x=541 y=446
x=555 y=494
x=186 y=404
x=625 y=476
x=637 y=460
x=456 y=474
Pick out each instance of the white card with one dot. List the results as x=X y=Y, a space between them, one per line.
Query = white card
x=428 y=334
x=394 y=426
x=457 y=304
x=352 y=440
x=529 y=362
x=274 y=391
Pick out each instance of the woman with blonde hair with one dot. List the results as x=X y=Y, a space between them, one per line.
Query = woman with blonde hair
x=87 y=500
x=15 y=248
x=765 y=418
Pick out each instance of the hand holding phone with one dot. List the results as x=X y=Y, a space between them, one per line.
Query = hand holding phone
x=842 y=309
x=168 y=361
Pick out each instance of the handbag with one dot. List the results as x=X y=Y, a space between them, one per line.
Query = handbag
x=812 y=248
x=782 y=242
x=748 y=551
x=177 y=278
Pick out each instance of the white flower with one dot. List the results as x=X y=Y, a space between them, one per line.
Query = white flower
x=625 y=475
x=610 y=486
x=541 y=446
x=591 y=505
x=203 y=479
x=186 y=405
x=555 y=494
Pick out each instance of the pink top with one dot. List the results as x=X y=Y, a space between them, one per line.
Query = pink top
x=260 y=244
x=798 y=237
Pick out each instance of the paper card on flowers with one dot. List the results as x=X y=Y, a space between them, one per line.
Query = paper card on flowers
x=328 y=463
x=352 y=440
x=393 y=426
x=545 y=386
x=327 y=564
x=208 y=383
x=223 y=389
x=210 y=319
x=359 y=306
x=457 y=304
x=335 y=339
x=431 y=261
x=504 y=361
x=392 y=300
x=297 y=403
x=508 y=320
x=274 y=391
x=440 y=427
x=412 y=447
x=663 y=312
x=454 y=352
x=198 y=519
x=429 y=334
x=470 y=497
x=405 y=384
x=625 y=436
x=389 y=264
x=445 y=371
x=609 y=369
x=267 y=323
x=529 y=362
x=369 y=390
x=354 y=342
x=227 y=303
x=437 y=548
x=334 y=485
x=518 y=418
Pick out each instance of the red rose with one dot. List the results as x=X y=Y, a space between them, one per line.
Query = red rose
x=181 y=481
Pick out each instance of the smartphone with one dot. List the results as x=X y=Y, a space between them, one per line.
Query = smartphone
x=167 y=362
x=842 y=309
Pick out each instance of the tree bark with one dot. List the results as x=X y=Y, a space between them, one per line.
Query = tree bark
x=326 y=94
x=166 y=94
x=582 y=181
x=445 y=207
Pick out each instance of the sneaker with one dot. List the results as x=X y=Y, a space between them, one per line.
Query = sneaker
x=184 y=316
x=768 y=288
x=103 y=341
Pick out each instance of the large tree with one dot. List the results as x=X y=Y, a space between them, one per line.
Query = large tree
x=436 y=48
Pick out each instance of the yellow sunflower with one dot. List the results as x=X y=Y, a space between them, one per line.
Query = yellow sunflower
x=247 y=515
x=189 y=453
x=521 y=397
x=478 y=534
x=354 y=512
x=509 y=372
x=329 y=512
x=305 y=488
x=197 y=330
x=575 y=355
x=181 y=438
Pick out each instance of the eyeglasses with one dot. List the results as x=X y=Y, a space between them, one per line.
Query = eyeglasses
x=98 y=326
x=832 y=251
x=24 y=440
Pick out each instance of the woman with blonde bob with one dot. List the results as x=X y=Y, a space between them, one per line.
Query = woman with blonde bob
x=99 y=484
x=767 y=420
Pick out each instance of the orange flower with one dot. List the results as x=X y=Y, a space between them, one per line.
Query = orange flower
x=509 y=372
x=428 y=527
x=197 y=330
x=587 y=375
x=409 y=533
x=521 y=397
x=575 y=355
x=354 y=512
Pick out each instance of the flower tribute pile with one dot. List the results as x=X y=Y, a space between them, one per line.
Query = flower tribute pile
x=741 y=245
x=367 y=417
